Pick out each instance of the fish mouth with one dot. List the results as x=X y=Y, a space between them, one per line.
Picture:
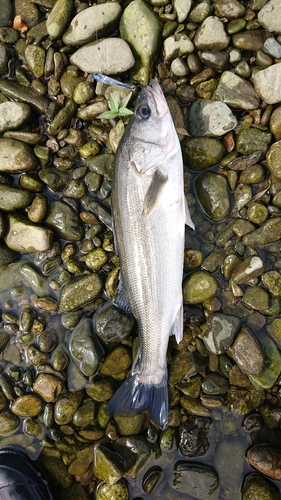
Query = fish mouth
x=155 y=91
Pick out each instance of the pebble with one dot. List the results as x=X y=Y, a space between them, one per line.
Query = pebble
x=237 y=92
x=112 y=325
x=107 y=465
x=230 y=9
x=275 y=123
x=199 y=287
x=59 y=18
x=213 y=195
x=252 y=140
x=116 y=490
x=270 y=231
x=48 y=387
x=272 y=47
x=13 y=115
x=8 y=422
x=139 y=23
x=257 y=486
x=267 y=83
x=99 y=57
x=63 y=220
x=202 y=153
x=13 y=198
x=266 y=459
x=177 y=46
x=16 y=157
x=272 y=369
x=210 y=118
x=269 y=16
x=234 y=448
x=252 y=40
x=221 y=330
x=211 y=36
x=247 y=353
x=24 y=236
x=182 y=9
x=200 y=481
x=249 y=268
x=93 y=23
x=28 y=405
x=85 y=348
x=22 y=93
x=80 y=291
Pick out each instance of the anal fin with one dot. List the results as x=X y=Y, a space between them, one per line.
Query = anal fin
x=154 y=191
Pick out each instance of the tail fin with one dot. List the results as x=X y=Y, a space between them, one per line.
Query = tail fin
x=133 y=397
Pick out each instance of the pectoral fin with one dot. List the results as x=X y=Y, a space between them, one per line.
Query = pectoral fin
x=154 y=192
x=177 y=328
x=121 y=299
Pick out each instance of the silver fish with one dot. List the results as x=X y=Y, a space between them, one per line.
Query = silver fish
x=149 y=213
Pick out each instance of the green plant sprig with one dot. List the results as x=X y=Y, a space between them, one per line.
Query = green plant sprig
x=117 y=109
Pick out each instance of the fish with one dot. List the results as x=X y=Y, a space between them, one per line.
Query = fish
x=149 y=211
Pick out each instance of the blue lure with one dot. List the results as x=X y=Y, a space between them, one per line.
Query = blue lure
x=111 y=81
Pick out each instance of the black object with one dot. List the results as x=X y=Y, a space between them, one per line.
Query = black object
x=21 y=478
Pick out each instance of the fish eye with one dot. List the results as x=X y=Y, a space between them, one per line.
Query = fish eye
x=143 y=111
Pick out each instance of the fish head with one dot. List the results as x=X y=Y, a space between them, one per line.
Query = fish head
x=151 y=136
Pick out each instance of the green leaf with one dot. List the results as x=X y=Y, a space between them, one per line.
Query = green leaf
x=125 y=112
x=113 y=104
x=109 y=114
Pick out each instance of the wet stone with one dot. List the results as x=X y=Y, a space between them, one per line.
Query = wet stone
x=193 y=438
x=249 y=268
x=28 y=405
x=213 y=195
x=48 y=387
x=66 y=405
x=275 y=123
x=234 y=450
x=266 y=459
x=117 y=490
x=214 y=384
x=85 y=348
x=202 y=153
x=269 y=232
x=59 y=18
x=64 y=221
x=84 y=415
x=13 y=115
x=272 y=358
x=247 y=353
x=252 y=140
x=16 y=157
x=272 y=281
x=236 y=92
x=108 y=465
x=112 y=325
x=194 y=407
x=8 y=422
x=129 y=426
x=199 y=287
x=116 y=362
x=80 y=291
x=220 y=332
x=200 y=481
x=58 y=470
x=274 y=330
x=182 y=367
x=210 y=118
x=7 y=256
x=24 y=236
x=249 y=40
x=101 y=390
x=34 y=279
x=257 y=486
x=256 y=298
x=272 y=157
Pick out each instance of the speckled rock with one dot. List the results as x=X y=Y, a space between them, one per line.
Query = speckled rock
x=202 y=153
x=80 y=291
x=269 y=16
x=272 y=369
x=24 y=236
x=213 y=195
x=257 y=486
x=59 y=18
x=48 y=387
x=220 y=332
x=28 y=405
x=247 y=353
x=266 y=459
x=199 y=287
x=112 y=325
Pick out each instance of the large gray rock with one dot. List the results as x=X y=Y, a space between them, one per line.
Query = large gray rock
x=269 y=16
x=92 y=24
x=210 y=118
x=109 y=56
x=236 y=92
x=13 y=115
x=267 y=83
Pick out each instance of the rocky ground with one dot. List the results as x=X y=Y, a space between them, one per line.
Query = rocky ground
x=64 y=347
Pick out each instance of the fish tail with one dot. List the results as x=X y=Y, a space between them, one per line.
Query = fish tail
x=134 y=397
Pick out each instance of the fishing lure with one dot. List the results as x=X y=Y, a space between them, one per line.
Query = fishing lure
x=111 y=81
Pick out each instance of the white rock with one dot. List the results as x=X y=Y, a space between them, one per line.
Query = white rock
x=13 y=115
x=179 y=67
x=182 y=8
x=177 y=45
x=210 y=118
x=93 y=23
x=267 y=83
x=211 y=35
x=270 y=16
x=109 y=56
